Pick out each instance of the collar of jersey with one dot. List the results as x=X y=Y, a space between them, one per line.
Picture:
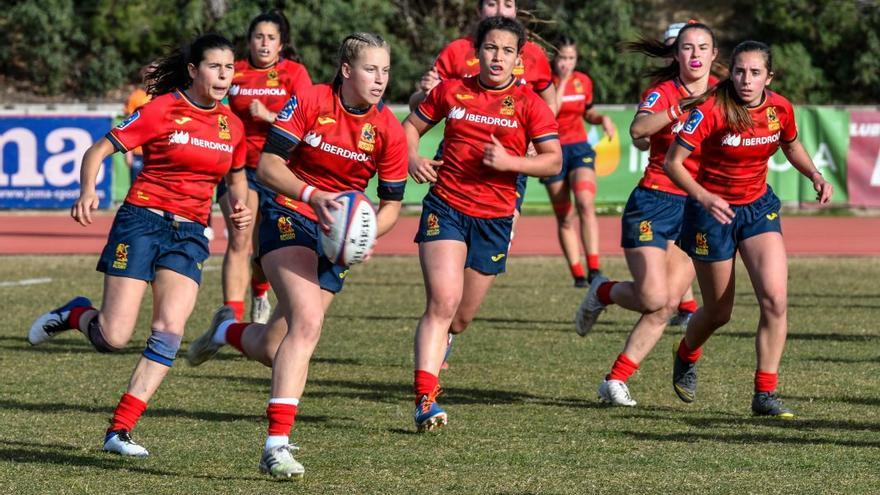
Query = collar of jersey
x=194 y=104
x=355 y=112
x=764 y=98
x=262 y=69
x=507 y=86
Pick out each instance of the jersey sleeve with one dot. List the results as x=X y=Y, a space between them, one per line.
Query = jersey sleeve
x=588 y=91
x=653 y=101
x=443 y=64
x=290 y=125
x=540 y=77
x=789 y=126
x=392 y=165
x=145 y=124
x=239 y=153
x=300 y=82
x=541 y=124
x=699 y=125
x=434 y=108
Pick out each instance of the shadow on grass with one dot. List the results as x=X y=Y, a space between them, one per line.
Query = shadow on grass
x=159 y=412
x=746 y=438
x=843 y=360
x=858 y=401
x=809 y=337
x=807 y=425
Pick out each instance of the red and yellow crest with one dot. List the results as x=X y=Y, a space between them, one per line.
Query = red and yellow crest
x=223 y=128
x=578 y=86
x=433 y=225
x=272 y=78
x=120 y=261
x=367 y=139
x=702 y=244
x=508 y=106
x=646 y=233
x=772 y=119
x=285 y=229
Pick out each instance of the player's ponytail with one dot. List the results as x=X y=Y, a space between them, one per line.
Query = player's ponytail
x=171 y=71
x=658 y=49
x=275 y=16
x=735 y=111
x=351 y=49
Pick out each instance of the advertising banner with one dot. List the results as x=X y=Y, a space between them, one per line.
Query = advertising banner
x=863 y=164
x=40 y=159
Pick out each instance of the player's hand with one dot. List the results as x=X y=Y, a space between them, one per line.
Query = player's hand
x=260 y=111
x=823 y=188
x=718 y=208
x=429 y=80
x=495 y=156
x=241 y=216
x=608 y=127
x=81 y=211
x=424 y=170
x=323 y=203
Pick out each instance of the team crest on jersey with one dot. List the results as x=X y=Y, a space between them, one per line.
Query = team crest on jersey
x=702 y=244
x=519 y=69
x=578 y=86
x=367 y=140
x=433 y=227
x=287 y=112
x=120 y=261
x=772 y=119
x=693 y=122
x=223 y=128
x=129 y=120
x=285 y=229
x=650 y=100
x=646 y=233
x=507 y=106
x=272 y=78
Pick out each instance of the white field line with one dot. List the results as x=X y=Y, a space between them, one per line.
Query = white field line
x=26 y=281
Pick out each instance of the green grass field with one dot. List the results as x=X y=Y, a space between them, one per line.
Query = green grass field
x=520 y=394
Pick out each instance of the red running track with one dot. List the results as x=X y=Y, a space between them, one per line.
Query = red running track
x=56 y=233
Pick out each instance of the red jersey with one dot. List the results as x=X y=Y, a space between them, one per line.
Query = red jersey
x=513 y=114
x=336 y=150
x=733 y=164
x=459 y=60
x=187 y=151
x=657 y=99
x=273 y=86
x=577 y=98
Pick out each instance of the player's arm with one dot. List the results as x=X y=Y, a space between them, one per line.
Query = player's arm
x=642 y=144
x=645 y=124
x=236 y=184
x=592 y=116
x=800 y=159
x=82 y=208
x=420 y=168
x=386 y=216
x=546 y=163
x=674 y=168
x=549 y=97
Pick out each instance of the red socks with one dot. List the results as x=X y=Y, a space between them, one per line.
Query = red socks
x=593 y=261
x=687 y=354
x=424 y=383
x=234 y=333
x=127 y=413
x=688 y=306
x=281 y=418
x=604 y=293
x=76 y=314
x=237 y=308
x=577 y=270
x=259 y=288
x=765 y=382
x=623 y=368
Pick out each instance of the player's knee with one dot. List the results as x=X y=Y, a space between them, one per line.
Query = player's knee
x=306 y=328
x=562 y=210
x=100 y=341
x=652 y=300
x=774 y=305
x=717 y=315
x=162 y=347
x=460 y=323
x=443 y=308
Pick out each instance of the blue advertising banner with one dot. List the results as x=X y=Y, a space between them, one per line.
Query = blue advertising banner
x=40 y=159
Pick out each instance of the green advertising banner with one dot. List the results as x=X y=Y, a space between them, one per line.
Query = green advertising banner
x=824 y=132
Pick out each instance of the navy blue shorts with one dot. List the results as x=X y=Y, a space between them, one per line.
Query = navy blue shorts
x=280 y=227
x=487 y=239
x=253 y=183
x=141 y=241
x=574 y=156
x=522 y=180
x=651 y=218
x=705 y=239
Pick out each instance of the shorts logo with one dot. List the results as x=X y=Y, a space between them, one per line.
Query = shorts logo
x=587 y=159
x=285 y=228
x=129 y=120
x=343 y=274
x=693 y=122
x=507 y=106
x=650 y=100
x=368 y=138
x=578 y=86
x=433 y=227
x=223 y=128
x=772 y=216
x=646 y=233
x=772 y=119
x=498 y=257
x=287 y=112
x=199 y=266
x=272 y=78
x=702 y=245
x=121 y=260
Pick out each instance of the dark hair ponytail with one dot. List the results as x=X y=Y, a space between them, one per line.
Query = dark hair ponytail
x=512 y=26
x=275 y=16
x=736 y=114
x=351 y=49
x=170 y=72
x=658 y=49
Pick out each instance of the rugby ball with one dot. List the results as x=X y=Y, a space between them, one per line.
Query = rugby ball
x=353 y=232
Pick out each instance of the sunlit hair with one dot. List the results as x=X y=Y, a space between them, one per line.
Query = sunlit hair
x=352 y=47
x=735 y=111
x=657 y=49
x=170 y=72
x=500 y=23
